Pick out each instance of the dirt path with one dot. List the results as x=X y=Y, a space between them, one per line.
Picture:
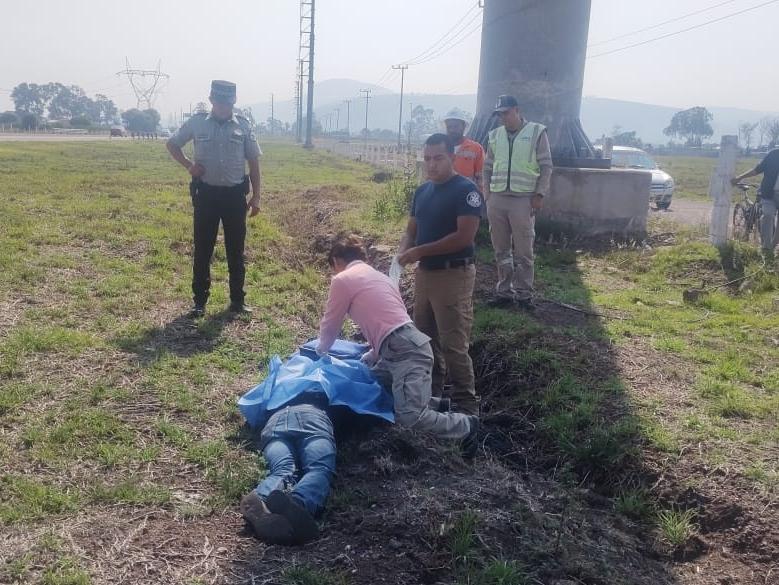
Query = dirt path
x=686 y=211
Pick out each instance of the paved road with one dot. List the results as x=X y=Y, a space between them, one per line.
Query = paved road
x=56 y=137
x=686 y=211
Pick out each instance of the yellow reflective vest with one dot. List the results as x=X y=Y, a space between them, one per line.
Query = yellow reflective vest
x=515 y=166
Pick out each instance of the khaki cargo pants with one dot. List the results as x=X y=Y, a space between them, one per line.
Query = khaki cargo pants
x=405 y=365
x=513 y=230
x=443 y=310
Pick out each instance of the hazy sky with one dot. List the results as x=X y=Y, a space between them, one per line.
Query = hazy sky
x=255 y=44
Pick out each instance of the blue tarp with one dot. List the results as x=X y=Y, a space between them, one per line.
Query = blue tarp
x=347 y=383
x=341 y=349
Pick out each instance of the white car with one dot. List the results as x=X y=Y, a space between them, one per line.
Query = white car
x=662 y=190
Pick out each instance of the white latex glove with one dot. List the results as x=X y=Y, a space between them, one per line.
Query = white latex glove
x=368 y=358
x=395 y=271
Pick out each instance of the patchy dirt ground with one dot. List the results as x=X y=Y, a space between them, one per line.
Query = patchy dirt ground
x=398 y=495
x=400 y=499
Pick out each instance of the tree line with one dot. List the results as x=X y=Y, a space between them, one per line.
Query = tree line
x=694 y=125
x=58 y=105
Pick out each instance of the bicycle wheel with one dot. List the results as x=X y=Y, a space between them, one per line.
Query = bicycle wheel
x=741 y=224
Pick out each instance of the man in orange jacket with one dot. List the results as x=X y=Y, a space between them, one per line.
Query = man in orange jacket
x=468 y=154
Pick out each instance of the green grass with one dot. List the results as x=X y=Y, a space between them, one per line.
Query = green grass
x=676 y=526
x=308 y=575
x=104 y=386
x=502 y=573
x=24 y=499
x=462 y=536
x=692 y=173
x=635 y=503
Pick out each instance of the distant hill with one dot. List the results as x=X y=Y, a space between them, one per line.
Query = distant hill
x=599 y=115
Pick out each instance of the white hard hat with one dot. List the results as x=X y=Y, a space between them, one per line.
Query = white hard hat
x=456 y=115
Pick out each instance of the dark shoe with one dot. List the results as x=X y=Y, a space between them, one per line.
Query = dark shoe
x=500 y=302
x=274 y=529
x=526 y=304
x=444 y=405
x=241 y=309
x=470 y=443
x=270 y=528
x=197 y=311
x=304 y=527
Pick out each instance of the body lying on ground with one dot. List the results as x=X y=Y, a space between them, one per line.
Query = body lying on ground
x=297 y=407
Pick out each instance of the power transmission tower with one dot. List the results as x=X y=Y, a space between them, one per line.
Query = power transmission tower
x=146 y=83
x=348 y=119
x=400 y=115
x=367 y=93
x=307 y=8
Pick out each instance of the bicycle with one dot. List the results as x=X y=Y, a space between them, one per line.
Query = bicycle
x=746 y=215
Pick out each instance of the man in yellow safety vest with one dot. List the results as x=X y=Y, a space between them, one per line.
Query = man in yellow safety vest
x=517 y=172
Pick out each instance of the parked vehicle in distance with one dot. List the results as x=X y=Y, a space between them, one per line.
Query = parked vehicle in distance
x=661 y=191
x=118 y=131
x=164 y=133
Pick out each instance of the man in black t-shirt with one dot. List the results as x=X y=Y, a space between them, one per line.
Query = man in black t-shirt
x=440 y=236
x=769 y=195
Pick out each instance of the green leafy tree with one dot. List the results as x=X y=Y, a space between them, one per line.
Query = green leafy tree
x=10 y=119
x=141 y=121
x=30 y=121
x=622 y=138
x=422 y=122
x=30 y=98
x=693 y=125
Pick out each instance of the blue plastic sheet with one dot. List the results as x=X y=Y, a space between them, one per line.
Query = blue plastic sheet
x=341 y=349
x=347 y=383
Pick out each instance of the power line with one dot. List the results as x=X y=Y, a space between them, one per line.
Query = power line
x=444 y=37
x=659 y=24
x=688 y=29
x=454 y=43
x=450 y=35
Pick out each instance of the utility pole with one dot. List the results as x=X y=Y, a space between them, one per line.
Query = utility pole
x=307 y=11
x=400 y=115
x=367 y=93
x=348 y=120
x=272 y=116
x=410 y=123
x=338 y=119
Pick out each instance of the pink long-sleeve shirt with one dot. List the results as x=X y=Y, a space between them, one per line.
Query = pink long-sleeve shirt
x=370 y=298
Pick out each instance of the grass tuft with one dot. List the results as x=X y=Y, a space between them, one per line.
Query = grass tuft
x=676 y=526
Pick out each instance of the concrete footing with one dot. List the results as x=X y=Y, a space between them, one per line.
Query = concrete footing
x=596 y=202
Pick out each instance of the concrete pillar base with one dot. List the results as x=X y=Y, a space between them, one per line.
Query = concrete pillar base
x=596 y=202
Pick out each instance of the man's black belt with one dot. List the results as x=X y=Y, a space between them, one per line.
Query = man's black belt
x=198 y=186
x=445 y=264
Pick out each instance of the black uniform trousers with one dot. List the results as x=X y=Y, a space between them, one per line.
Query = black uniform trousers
x=212 y=205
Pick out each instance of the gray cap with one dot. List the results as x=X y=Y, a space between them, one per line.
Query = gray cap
x=223 y=91
x=505 y=103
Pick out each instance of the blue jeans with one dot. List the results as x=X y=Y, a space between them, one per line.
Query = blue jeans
x=768 y=235
x=299 y=448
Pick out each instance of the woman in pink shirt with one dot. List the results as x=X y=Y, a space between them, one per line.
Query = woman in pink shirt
x=400 y=355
